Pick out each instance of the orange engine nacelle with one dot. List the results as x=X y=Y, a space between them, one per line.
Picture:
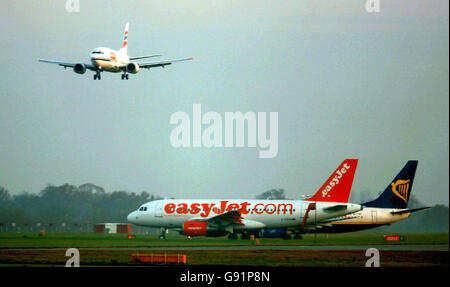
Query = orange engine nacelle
x=195 y=228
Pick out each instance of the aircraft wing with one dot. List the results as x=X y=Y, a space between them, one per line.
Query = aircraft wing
x=144 y=57
x=162 y=64
x=225 y=219
x=409 y=210
x=68 y=65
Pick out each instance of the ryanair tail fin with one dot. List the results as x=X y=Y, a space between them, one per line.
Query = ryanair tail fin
x=338 y=186
x=397 y=193
x=124 y=49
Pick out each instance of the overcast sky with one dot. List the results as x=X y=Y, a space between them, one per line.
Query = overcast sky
x=345 y=84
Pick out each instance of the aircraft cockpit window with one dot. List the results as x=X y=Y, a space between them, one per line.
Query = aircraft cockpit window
x=97 y=52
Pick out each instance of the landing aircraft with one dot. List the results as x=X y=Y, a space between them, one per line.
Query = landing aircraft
x=390 y=207
x=200 y=217
x=106 y=59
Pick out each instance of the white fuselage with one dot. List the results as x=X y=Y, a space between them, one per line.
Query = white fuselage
x=107 y=59
x=371 y=216
x=255 y=214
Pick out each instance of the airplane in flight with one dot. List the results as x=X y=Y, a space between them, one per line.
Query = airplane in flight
x=390 y=207
x=108 y=60
x=203 y=217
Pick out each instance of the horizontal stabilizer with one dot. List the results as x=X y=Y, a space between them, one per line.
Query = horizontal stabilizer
x=334 y=208
x=409 y=210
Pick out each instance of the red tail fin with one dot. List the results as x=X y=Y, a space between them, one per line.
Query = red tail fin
x=338 y=186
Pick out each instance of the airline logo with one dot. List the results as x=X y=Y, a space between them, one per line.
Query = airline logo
x=125 y=39
x=205 y=209
x=335 y=179
x=401 y=188
x=338 y=186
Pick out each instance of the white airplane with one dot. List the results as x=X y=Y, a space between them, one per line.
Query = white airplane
x=193 y=217
x=105 y=59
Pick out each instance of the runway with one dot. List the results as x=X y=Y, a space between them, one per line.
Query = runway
x=402 y=247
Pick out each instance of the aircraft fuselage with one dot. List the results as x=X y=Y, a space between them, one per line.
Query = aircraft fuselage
x=107 y=59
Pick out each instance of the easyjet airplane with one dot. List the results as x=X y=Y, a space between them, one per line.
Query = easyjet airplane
x=105 y=59
x=200 y=217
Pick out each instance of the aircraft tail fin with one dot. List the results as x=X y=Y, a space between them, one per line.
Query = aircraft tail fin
x=338 y=186
x=124 y=49
x=397 y=193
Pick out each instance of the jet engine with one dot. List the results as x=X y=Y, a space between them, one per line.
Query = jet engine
x=79 y=68
x=132 y=68
x=201 y=228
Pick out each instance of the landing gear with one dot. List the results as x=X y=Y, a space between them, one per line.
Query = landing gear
x=124 y=76
x=287 y=237
x=298 y=236
x=97 y=76
x=245 y=236
x=163 y=233
x=232 y=236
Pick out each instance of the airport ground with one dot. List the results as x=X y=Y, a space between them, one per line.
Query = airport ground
x=348 y=249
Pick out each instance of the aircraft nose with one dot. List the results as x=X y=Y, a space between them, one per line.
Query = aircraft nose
x=131 y=217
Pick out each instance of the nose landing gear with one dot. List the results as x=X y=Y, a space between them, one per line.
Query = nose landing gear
x=163 y=231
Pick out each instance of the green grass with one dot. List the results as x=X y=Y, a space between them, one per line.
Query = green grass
x=100 y=240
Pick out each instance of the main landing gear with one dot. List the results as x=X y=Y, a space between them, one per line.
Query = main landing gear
x=245 y=236
x=124 y=76
x=232 y=236
x=97 y=76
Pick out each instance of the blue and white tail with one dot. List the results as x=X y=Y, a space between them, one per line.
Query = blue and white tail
x=124 y=49
x=398 y=191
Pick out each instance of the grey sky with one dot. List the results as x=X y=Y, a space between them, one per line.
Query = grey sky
x=345 y=83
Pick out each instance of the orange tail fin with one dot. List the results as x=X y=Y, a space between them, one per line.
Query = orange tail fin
x=338 y=186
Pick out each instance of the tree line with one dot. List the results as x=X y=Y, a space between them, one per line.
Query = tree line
x=77 y=208
x=69 y=206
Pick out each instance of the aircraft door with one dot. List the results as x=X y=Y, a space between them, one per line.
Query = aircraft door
x=159 y=208
x=374 y=216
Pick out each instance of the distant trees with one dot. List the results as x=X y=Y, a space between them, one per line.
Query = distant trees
x=272 y=194
x=69 y=204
